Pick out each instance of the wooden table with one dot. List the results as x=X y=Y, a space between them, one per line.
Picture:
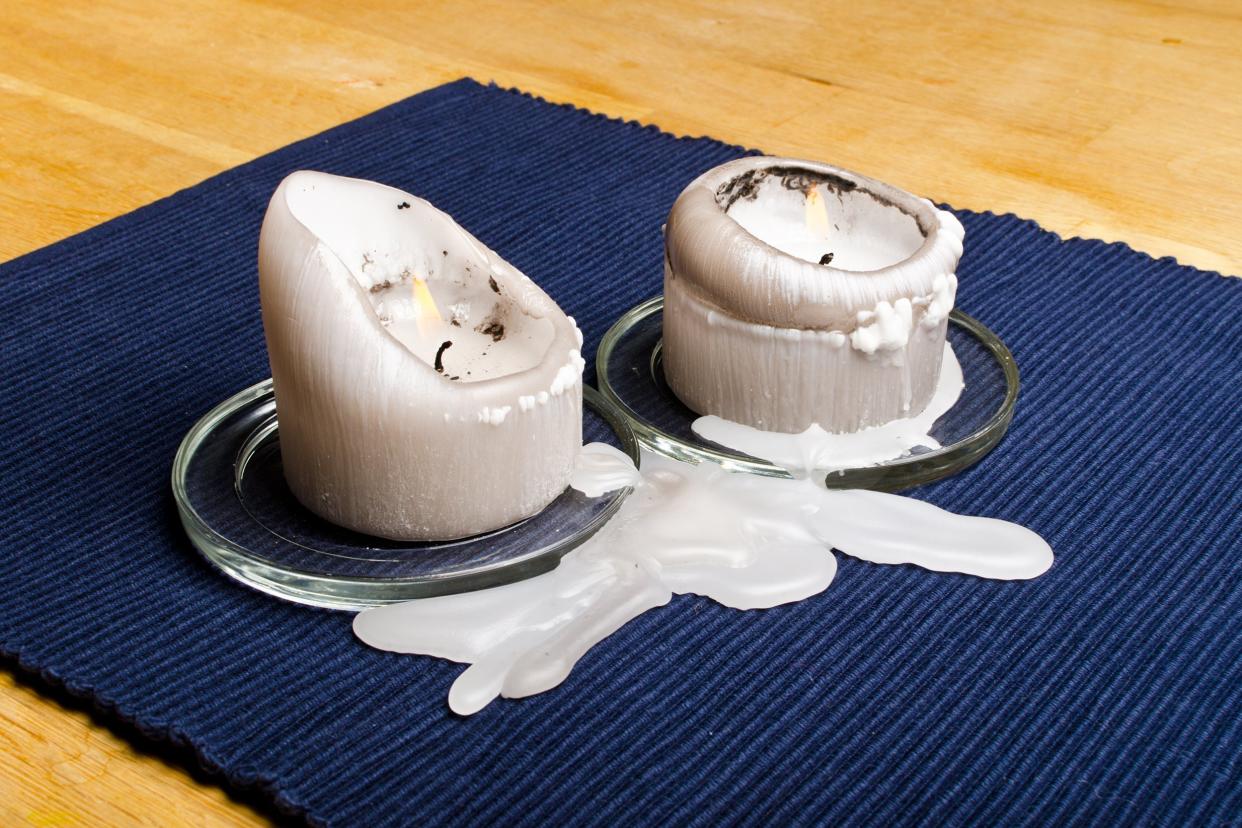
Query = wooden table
x=1116 y=119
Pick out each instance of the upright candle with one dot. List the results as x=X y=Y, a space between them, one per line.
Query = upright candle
x=796 y=293
x=425 y=388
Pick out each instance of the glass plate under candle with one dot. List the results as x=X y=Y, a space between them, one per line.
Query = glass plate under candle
x=630 y=374
x=239 y=512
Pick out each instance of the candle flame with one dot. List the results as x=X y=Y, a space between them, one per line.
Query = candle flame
x=817 y=212
x=425 y=310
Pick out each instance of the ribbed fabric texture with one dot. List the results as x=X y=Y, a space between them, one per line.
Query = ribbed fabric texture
x=1106 y=691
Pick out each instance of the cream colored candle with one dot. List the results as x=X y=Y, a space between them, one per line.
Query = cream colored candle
x=799 y=294
x=425 y=388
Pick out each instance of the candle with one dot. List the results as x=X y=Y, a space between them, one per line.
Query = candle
x=800 y=294
x=425 y=388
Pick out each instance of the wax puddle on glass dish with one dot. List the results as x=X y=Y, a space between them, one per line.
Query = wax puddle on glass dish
x=745 y=541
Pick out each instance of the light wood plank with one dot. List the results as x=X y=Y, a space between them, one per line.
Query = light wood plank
x=57 y=768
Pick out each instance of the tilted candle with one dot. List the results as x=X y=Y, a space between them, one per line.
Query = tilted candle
x=425 y=388
x=800 y=294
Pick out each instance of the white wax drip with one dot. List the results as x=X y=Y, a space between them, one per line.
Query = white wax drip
x=746 y=541
x=818 y=450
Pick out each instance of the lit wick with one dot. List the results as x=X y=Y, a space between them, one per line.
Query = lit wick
x=428 y=320
x=426 y=311
x=816 y=217
x=816 y=212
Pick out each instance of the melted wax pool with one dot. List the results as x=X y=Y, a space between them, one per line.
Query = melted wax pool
x=746 y=541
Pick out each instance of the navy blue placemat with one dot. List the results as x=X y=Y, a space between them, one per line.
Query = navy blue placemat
x=1106 y=691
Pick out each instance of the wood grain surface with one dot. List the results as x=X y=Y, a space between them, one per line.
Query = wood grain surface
x=1114 y=119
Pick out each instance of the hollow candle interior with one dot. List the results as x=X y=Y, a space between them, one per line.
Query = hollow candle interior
x=822 y=224
x=424 y=295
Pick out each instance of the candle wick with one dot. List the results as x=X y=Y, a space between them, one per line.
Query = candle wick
x=439 y=364
x=825 y=259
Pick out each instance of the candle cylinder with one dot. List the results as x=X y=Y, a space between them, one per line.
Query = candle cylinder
x=425 y=388
x=798 y=293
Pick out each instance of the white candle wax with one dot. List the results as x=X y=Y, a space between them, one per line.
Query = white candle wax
x=425 y=388
x=798 y=294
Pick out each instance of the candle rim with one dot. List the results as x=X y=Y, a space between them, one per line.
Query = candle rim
x=549 y=310
x=921 y=210
x=712 y=253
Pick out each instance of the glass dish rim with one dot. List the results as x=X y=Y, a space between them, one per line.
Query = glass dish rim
x=902 y=473
x=355 y=592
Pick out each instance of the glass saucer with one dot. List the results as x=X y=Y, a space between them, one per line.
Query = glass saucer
x=630 y=375
x=239 y=512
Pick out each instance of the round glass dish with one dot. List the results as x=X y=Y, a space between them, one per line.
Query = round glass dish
x=238 y=511
x=631 y=377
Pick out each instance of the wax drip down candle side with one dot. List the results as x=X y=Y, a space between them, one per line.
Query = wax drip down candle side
x=425 y=388
x=818 y=450
x=746 y=541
